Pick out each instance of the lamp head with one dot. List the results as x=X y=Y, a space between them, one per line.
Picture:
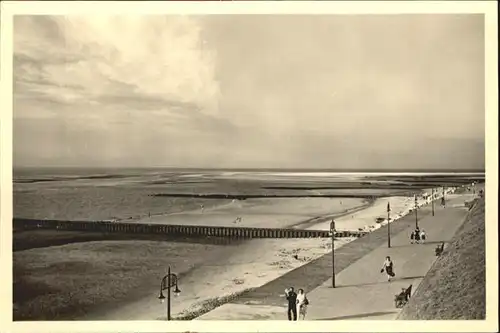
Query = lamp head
x=177 y=291
x=161 y=297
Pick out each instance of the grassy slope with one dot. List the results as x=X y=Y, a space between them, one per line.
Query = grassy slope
x=454 y=288
x=64 y=282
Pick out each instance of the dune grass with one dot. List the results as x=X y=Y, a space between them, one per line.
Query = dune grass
x=454 y=288
x=68 y=281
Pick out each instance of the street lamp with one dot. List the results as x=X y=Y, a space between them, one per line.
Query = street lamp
x=443 y=200
x=388 y=225
x=416 y=213
x=332 y=232
x=169 y=281
x=432 y=199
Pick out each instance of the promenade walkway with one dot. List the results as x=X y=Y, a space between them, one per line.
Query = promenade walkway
x=362 y=292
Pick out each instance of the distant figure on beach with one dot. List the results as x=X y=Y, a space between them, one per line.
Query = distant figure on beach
x=202 y=207
x=302 y=303
x=389 y=268
x=238 y=220
x=291 y=297
x=412 y=237
x=423 y=236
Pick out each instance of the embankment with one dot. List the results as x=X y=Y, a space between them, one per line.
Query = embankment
x=454 y=288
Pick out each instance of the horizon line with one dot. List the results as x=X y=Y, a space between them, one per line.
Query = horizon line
x=255 y=169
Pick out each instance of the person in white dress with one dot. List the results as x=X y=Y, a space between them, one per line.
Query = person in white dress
x=423 y=236
x=302 y=303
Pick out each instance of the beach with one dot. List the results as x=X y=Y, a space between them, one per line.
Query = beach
x=212 y=275
x=250 y=265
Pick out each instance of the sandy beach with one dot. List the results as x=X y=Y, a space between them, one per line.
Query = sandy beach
x=276 y=212
x=252 y=264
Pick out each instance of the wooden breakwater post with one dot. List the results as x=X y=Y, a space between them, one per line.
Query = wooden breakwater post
x=179 y=230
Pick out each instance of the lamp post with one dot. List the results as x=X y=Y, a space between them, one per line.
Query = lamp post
x=168 y=281
x=332 y=231
x=416 y=212
x=432 y=199
x=388 y=225
x=443 y=200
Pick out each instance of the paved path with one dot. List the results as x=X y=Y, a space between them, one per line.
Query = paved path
x=362 y=291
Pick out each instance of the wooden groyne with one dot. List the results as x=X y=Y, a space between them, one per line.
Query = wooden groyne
x=260 y=196
x=177 y=230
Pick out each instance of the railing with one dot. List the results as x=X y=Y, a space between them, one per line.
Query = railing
x=178 y=230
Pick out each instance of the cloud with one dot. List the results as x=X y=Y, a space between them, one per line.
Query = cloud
x=330 y=91
x=133 y=63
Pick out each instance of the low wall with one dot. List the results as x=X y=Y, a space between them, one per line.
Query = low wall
x=178 y=230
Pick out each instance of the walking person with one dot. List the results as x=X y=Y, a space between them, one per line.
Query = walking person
x=302 y=303
x=389 y=268
x=412 y=237
x=291 y=297
x=423 y=236
x=417 y=235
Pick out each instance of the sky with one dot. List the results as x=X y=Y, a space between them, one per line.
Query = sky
x=250 y=91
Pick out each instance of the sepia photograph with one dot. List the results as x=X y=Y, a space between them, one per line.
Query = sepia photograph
x=251 y=167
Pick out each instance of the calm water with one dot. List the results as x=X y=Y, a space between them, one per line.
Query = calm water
x=102 y=194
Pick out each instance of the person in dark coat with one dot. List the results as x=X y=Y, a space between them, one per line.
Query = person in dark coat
x=291 y=297
x=417 y=235
x=412 y=237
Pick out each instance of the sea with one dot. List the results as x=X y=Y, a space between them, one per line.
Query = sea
x=98 y=194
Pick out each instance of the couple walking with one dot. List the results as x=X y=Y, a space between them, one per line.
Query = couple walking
x=297 y=303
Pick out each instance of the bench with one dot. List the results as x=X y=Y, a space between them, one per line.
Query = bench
x=439 y=249
x=402 y=298
x=470 y=204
